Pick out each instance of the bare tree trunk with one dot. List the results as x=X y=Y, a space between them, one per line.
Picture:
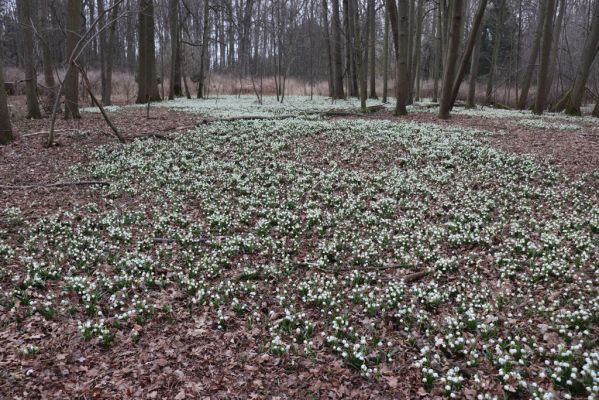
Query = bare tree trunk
x=467 y=57
x=48 y=66
x=148 y=87
x=386 y=58
x=545 y=53
x=418 y=49
x=173 y=12
x=554 y=49
x=372 y=48
x=24 y=11
x=204 y=52
x=527 y=79
x=490 y=98
x=582 y=74
x=437 y=56
x=403 y=81
x=417 y=15
x=451 y=59
x=71 y=80
x=102 y=49
x=595 y=110
x=107 y=94
x=327 y=43
x=337 y=63
x=6 y=135
x=358 y=52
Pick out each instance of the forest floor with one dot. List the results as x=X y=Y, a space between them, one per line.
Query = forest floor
x=303 y=254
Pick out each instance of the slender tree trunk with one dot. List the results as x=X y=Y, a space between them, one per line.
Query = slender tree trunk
x=6 y=135
x=596 y=109
x=107 y=94
x=327 y=43
x=553 y=59
x=545 y=53
x=359 y=53
x=490 y=97
x=48 y=65
x=403 y=80
x=102 y=49
x=527 y=79
x=451 y=59
x=417 y=14
x=386 y=58
x=24 y=11
x=467 y=57
x=437 y=55
x=337 y=62
x=148 y=86
x=71 y=80
x=204 y=52
x=418 y=50
x=582 y=74
x=173 y=11
x=372 y=48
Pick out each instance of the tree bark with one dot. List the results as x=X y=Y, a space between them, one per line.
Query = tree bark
x=582 y=73
x=386 y=58
x=204 y=52
x=102 y=49
x=451 y=59
x=490 y=98
x=147 y=85
x=372 y=48
x=71 y=80
x=173 y=11
x=6 y=135
x=526 y=81
x=337 y=62
x=545 y=53
x=467 y=57
x=359 y=54
x=398 y=17
x=24 y=11
x=555 y=48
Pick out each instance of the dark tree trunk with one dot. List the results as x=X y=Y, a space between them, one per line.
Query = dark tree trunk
x=33 y=106
x=545 y=53
x=204 y=52
x=6 y=135
x=173 y=11
x=582 y=74
x=337 y=62
x=372 y=48
x=359 y=53
x=386 y=58
x=147 y=84
x=451 y=59
x=71 y=80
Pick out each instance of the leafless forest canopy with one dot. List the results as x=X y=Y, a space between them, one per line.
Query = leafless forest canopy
x=135 y=50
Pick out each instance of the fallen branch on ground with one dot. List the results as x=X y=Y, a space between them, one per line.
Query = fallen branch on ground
x=57 y=184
